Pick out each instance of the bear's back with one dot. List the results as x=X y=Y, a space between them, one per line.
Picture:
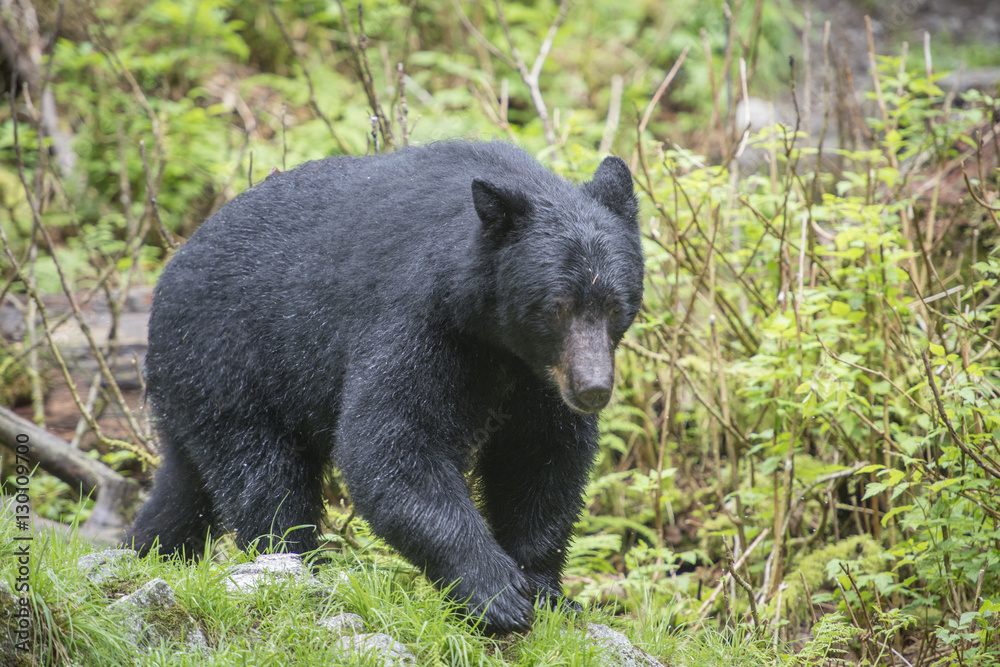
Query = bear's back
x=407 y=208
x=426 y=183
x=283 y=279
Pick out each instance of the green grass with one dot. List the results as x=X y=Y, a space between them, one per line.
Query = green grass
x=74 y=621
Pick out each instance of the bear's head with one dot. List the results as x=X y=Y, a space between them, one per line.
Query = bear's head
x=566 y=268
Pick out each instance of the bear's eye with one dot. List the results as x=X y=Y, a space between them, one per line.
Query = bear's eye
x=557 y=310
x=613 y=308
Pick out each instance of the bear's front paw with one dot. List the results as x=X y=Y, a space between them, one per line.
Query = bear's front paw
x=508 y=610
x=549 y=595
x=550 y=600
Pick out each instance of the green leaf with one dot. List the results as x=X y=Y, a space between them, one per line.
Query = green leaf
x=894 y=476
x=873 y=489
x=943 y=484
x=893 y=512
x=840 y=309
x=967 y=617
x=881 y=388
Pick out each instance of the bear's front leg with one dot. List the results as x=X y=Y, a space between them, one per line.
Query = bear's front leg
x=401 y=446
x=532 y=474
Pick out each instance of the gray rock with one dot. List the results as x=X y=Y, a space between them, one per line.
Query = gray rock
x=392 y=653
x=324 y=593
x=267 y=568
x=343 y=624
x=756 y=114
x=11 y=322
x=986 y=79
x=617 y=650
x=7 y=596
x=104 y=565
x=152 y=615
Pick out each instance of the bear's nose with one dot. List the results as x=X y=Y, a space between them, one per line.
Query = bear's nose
x=594 y=398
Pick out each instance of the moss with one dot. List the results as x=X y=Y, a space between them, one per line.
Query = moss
x=10 y=656
x=173 y=621
x=15 y=384
x=813 y=568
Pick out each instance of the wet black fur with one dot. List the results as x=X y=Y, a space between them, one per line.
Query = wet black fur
x=407 y=316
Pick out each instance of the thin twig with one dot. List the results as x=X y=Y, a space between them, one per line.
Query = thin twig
x=868 y=621
x=143 y=454
x=943 y=416
x=745 y=134
x=67 y=289
x=742 y=584
x=707 y=604
x=992 y=210
x=341 y=144
x=359 y=47
x=662 y=88
x=487 y=44
x=402 y=111
x=614 y=113
x=715 y=120
x=153 y=203
x=546 y=47
x=732 y=428
x=530 y=77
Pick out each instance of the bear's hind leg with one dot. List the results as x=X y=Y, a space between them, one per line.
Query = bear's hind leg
x=266 y=485
x=178 y=512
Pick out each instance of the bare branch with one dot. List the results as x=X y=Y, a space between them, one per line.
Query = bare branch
x=341 y=144
x=743 y=583
x=82 y=473
x=614 y=113
x=530 y=78
x=487 y=44
x=706 y=606
x=362 y=67
x=116 y=495
x=151 y=195
x=402 y=111
x=943 y=416
x=662 y=89
x=22 y=46
x=546 y=47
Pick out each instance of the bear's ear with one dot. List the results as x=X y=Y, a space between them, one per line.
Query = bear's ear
x=499 y=208
x=612 y=187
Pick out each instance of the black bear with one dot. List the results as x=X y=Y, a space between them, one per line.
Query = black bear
x=441 y=322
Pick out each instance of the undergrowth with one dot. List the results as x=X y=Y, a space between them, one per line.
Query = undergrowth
x=801 y=464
